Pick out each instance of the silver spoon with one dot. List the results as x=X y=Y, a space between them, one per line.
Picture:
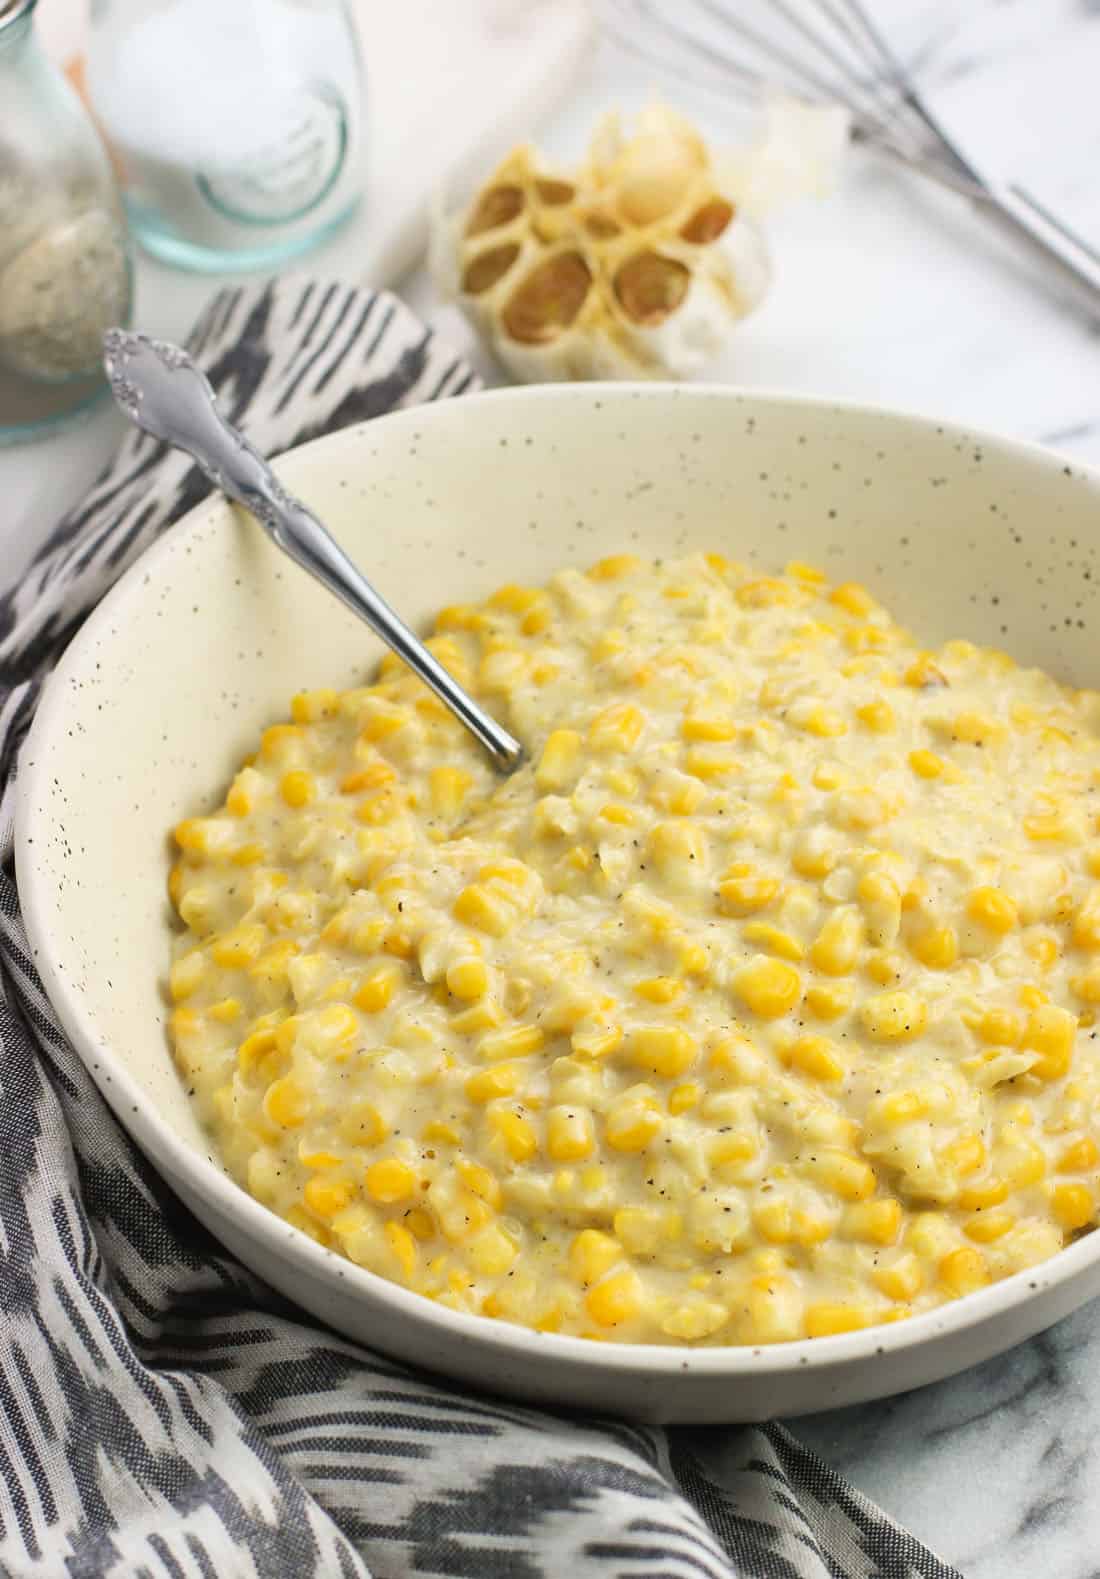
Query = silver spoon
x=160 y=389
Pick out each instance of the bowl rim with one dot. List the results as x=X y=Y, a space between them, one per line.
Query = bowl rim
x=159 y=1142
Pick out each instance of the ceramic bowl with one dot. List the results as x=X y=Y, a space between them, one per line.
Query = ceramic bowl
x=203 y=642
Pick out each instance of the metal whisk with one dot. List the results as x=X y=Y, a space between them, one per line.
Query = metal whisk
x=832 y=51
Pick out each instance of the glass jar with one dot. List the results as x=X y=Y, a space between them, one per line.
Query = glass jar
x=237 y=123
x=64 y=268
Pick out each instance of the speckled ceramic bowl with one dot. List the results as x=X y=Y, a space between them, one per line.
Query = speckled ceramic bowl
x=202 y=643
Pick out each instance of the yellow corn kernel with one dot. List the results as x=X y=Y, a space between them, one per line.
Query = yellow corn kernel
x=769 y=988
x=900 y=1279
x=698 y=726
x=279 y=741
x=875 y=1222
x=706 y=765
x=999 y=1027
x=297 y=788
x=893 y=1016
x=852 y=598
x=884 y=967
x=825 y=722
x=254 y=1049
x=476 y=1177
x=390 y=1180
x=501 y=1080
x=659 y=989
x=728 y=1153
x=1051 y=1032
x=517 y=1041
x=492 y=1252
x=419 y=1224
x=662 y=1049
x=377 y=987
x=1073 y=1205
x=226 y=1010
x=598 y=1039
x=517 y=1133
x=239 y=801
x=774 y=1308
x=964 y=1155
x=936 y=947
x=632 y=1125
x=825 y=1320
x=772 y=1219
x=614 y=567
x=325 y=1197
x=619 y=816
x=286 y=1103
x=570 y=1133
x=975 y=729
x=819 y=1058
x=484 y=1015
x=1086 y=923
x=438 y=1133
x=993 y=909
x=616 y=1299
x=878 y=716
x=186 y=975
x=448 y=787
x=985 y=1228
x=829 y=1000
x=477 y=906
x=773 y=939
x=1079 y=1157
x=685 y=1096
x=334 y=1026
x=468 y=979
x=363 y=1125
x=676 y=846
x=1021 y=1163
x=926 y=764
x=846 y=1175
x=835 y=950
x=403 y=1247
x=767 y=592
x=1033 y=997
x=308 y=706
x=239 y=947
x=979 y=1196
x=923 y=674
x=745 y=890
x=591 y=1254
x=616 y=728
x=963 y=1271
x=175 y=884
x=1043 y=949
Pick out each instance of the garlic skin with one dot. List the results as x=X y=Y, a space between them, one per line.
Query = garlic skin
x=638 y=264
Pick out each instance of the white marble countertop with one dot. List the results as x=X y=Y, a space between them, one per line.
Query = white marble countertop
x=887 y=292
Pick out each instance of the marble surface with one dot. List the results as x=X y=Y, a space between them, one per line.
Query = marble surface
x=886 y=292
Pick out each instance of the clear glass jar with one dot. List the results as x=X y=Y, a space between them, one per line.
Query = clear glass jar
x=237 y=123
x=64 y=268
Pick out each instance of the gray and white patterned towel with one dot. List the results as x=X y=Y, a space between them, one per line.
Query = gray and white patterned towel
x=164 y=1414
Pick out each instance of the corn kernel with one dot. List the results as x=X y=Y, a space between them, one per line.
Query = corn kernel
x=878 y=716
x=477 y=906
x=390 y=1180
x=614 y=567
x=616 y=728
x=774 y=1308
x=517 y=1041
x=632 y=1125
x=828 y=1001
x=698 y=727
x=899 y=1279
x=963 y=1271
x=616 y=1299
x=893 y=1016
x=1074 y=1205
x=1051 y=1032
x=977 y=1197
x=936 y=947
x=964 y=1155
x=819 y=1058
x=774 y=940
x=993 y=909
x=923 y=673
x=377 y=987
x=516 y=1132
x=286 y=1103
x=597 y=1039
x=593 y=1253
x=325 y=1197
x=769 y=988
x=309 y=706
x=476 y=1177
x=492 y=1252
x=662 y=1049
x=186 y=975
x=852 y=598
x=877 y=1222
x=926 y=764
x=239 y=947
x=1079 y=1157
x=363 y=1125
x=825 y=1320
x=846 y=1175
x=1086 y=923
x=743 y=890
x=659 y=989
x=225 y=1011
x=570 y=1134
x=836 y=948
x=502 y=1080
x=985 y=1228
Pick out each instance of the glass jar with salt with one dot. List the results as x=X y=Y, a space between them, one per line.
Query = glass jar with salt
x=238 y=123
x=64 y=267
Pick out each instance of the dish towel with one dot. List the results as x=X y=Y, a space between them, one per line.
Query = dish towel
x=163 y=1413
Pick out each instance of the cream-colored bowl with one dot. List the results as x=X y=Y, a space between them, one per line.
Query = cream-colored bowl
x=205 y=640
